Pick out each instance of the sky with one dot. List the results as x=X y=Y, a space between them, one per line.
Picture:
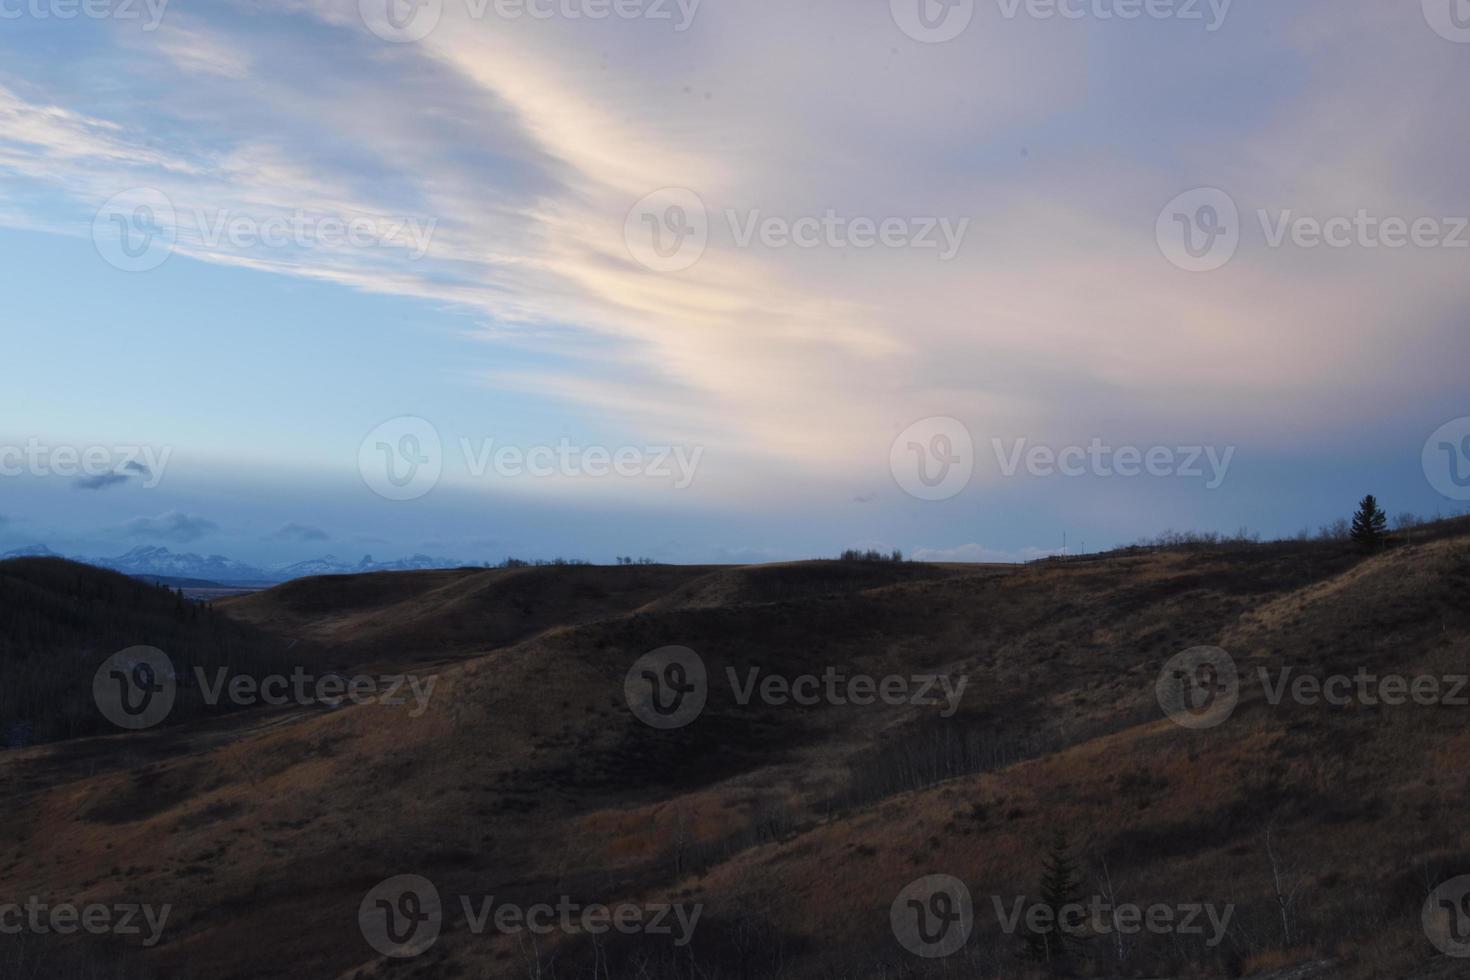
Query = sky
x=729 y=280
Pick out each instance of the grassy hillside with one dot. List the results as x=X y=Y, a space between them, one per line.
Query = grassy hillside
x=795 y=827
x=62 y=620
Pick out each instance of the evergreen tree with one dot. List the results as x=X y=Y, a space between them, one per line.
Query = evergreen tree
x=1370 y=523
x=1060 y=888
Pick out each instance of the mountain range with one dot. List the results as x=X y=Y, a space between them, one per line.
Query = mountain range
x=153 y=560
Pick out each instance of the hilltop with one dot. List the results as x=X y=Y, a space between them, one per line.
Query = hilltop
x=528 y=777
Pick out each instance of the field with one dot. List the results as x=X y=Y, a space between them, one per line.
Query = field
x=524 y=773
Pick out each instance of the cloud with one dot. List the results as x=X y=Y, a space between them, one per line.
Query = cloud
x=171 y=526
x=196 y=50
x=300 y=532
x=100 y=482
x=545 y=133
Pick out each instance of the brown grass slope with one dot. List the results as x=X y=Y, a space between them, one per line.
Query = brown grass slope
x=528 y=778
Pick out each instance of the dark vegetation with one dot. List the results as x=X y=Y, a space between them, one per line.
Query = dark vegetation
x=59 y=621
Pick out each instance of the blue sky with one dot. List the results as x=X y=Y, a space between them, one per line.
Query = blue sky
x=500 y=169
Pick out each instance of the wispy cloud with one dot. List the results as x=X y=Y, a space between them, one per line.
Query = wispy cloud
x=100 y=482
x=300 y=532
x=527 y=142
x=171 y=526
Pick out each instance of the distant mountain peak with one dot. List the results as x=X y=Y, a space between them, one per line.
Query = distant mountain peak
x=30 y=551
x=157 y=560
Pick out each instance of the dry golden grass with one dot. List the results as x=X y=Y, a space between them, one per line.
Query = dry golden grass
x=527 y=778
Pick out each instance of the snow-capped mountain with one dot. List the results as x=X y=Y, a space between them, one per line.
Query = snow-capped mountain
x=155 y=560
x=30 y=551
x=152 y=560
x=332 y=565
x=414 y=564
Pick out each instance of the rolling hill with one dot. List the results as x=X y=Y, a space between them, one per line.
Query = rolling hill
x=795 y=828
